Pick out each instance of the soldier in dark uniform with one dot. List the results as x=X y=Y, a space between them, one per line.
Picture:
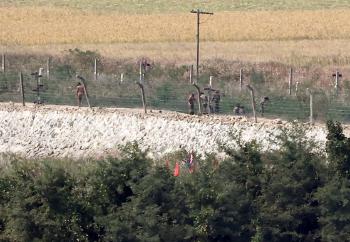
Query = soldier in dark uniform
x=263 y=102
x=191 y=100
x=204 y=99
x=80 y=91
x=216 y=101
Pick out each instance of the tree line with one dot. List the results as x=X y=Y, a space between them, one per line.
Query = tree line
x=295 y=193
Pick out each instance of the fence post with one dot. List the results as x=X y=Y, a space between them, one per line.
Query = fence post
x=337 y=75
x=3 y=66
x=253 y=102
x=290 y=80
x=296 y=88
x=240 y=79
x=143 y=97
x=311 y=106
x=140 y=84
x=209 y=94
x=191 y=74
x=48 y=62
x=198 y=90
x=95 y=69
x=336 y=82
x=21 y=87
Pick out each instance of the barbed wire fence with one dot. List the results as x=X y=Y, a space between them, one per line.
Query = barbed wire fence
x=294 y=99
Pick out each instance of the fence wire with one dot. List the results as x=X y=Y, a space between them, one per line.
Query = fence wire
x=109 y=91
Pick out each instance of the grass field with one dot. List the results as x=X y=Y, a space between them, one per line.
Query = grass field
x=165 y=6
x=298 y=53
x=299 y=32
x=42 y=26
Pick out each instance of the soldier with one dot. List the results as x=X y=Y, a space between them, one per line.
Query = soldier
x=216 y=101
x=205 y=100
x=80 y=93
x=191 y=100
x=238 y=109
x=263 y=102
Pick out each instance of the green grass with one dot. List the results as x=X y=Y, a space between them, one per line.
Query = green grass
x=156 y=6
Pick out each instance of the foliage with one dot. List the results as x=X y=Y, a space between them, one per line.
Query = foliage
x=334 y=196
x=289 y=194
x=83 y=60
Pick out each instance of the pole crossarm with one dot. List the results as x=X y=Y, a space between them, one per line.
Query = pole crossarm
x=201 y=12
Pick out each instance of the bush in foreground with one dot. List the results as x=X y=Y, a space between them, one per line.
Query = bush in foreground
x=291 y=194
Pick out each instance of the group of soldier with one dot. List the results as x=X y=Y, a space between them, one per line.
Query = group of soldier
x=214 y=105
x=210 y=104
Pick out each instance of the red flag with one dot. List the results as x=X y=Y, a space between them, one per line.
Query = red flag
x=177 y=169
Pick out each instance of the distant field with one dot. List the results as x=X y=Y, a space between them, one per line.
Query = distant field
x=42 y=26
x=297 y=31
x=165 y=6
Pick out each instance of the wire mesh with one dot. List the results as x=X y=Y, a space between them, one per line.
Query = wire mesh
x=167 y=94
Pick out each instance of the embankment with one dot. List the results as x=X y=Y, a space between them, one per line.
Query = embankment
x=61 y=131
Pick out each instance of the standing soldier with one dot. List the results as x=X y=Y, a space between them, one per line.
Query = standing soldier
x=216 y=100
x=80 y=92
x=263 y=102
x=205 y=100
x=191 y=101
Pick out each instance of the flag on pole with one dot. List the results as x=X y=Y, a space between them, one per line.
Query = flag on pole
x=177 y=169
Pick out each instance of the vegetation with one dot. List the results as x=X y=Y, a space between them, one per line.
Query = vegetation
x=291 y=194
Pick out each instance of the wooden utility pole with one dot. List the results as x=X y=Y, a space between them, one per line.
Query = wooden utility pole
x=290 y=83
x=240 y=80
x=198 y=12
x=140 y=84
x=253 y=101
x=21 y=87
x=337 y=75
x=95 y=69
x=3 y=66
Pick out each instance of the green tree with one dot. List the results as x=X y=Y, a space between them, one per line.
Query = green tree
x=112 y=184
x=43 y=206
x=152 y=213
x=288 y=210
x=334 y=197
x=338 y=149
